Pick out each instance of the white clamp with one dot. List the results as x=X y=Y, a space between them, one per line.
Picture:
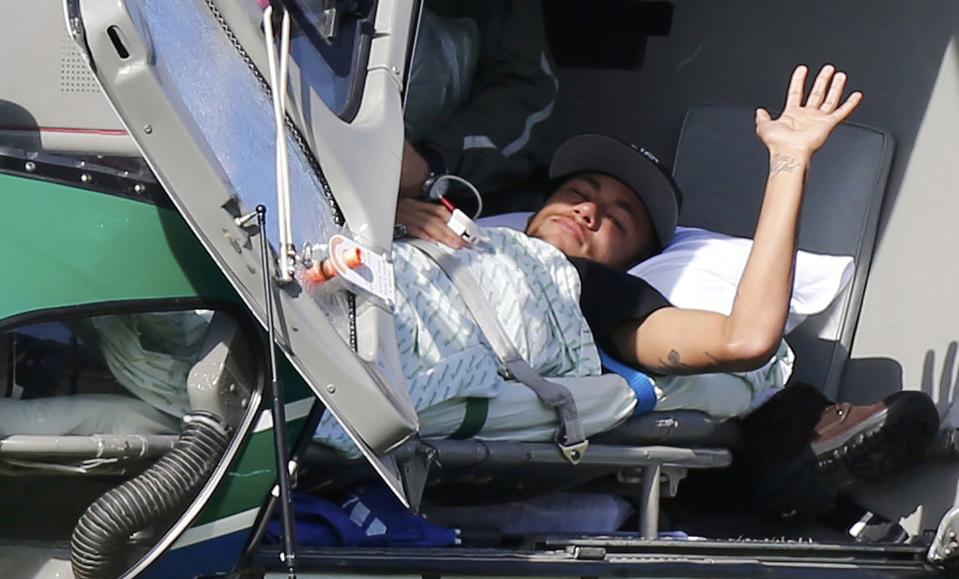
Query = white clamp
x=464 y=227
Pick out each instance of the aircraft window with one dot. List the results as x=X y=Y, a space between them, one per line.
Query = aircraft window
x=91 y=403
x=330 y=44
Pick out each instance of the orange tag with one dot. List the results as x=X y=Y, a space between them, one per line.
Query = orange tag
x=363 y=270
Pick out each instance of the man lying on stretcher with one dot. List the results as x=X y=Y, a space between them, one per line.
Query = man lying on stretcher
x=561 y=288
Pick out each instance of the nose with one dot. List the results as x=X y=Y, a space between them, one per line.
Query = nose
x=586 y=212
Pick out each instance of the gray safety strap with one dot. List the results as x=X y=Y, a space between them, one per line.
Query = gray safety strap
x=571 y=437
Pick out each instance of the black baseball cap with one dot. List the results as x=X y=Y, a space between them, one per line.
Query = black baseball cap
x=634 y=166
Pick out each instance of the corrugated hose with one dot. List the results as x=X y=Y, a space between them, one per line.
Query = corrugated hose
x=105 y=528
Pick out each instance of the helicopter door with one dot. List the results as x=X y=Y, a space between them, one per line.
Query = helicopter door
x=191 y=82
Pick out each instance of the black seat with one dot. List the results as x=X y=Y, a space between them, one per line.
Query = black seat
x=684 y=428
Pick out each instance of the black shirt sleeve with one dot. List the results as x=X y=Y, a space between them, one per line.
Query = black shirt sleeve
x=610 y=297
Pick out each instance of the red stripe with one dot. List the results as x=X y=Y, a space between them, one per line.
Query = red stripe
x=446 y=203
x=72 y=130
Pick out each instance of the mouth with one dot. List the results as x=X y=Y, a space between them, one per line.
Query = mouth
x=572 y=227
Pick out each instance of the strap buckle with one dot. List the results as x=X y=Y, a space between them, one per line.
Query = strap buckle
x=574 y=452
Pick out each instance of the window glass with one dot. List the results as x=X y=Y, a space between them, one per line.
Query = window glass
x=91 y=402
x=101 y=375
x=334 y=67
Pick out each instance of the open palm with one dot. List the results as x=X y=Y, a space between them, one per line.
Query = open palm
x=804 y=127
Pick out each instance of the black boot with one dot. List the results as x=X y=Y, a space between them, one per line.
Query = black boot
x=802 y=450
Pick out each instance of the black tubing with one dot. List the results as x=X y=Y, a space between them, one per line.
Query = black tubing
x=102 y=532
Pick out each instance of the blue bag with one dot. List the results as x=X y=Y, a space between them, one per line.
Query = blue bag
x=370 y=517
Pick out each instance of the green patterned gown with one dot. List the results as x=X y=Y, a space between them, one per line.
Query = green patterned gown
x=534 y=291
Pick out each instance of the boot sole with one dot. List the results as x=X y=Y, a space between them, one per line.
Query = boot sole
x=881 y=445
x=807 y=486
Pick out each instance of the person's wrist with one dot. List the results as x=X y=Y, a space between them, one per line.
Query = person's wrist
x=797 y=154
x=436 y=167
x=787 y=160
x=415 y=172
x=413 y=187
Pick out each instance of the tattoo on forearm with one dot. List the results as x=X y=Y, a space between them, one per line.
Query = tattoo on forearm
x=673 y=362
x=782 y=164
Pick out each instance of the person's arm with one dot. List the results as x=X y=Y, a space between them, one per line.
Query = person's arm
x=424 y=220
x=513 y=90
x=414 y=172
x=676 y=341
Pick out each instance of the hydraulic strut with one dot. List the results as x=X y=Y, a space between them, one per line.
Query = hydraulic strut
x=288 y=555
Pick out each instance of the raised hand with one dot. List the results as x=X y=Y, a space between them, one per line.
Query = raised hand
x=803 y=128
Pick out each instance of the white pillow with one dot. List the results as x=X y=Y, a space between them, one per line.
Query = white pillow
x=701 y=269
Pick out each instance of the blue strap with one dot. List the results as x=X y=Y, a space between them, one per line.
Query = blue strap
x=641 y=384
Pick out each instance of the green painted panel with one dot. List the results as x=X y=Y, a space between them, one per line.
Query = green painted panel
x=247 y=484
x=254 y=474
x=63 y=246
x=294 y=386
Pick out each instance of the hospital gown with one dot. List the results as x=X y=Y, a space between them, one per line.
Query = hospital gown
x=534 y=291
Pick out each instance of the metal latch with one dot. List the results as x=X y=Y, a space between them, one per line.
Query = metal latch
x=574 y=452
x=945 y=546
x=327 y=23
x=584 y=553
